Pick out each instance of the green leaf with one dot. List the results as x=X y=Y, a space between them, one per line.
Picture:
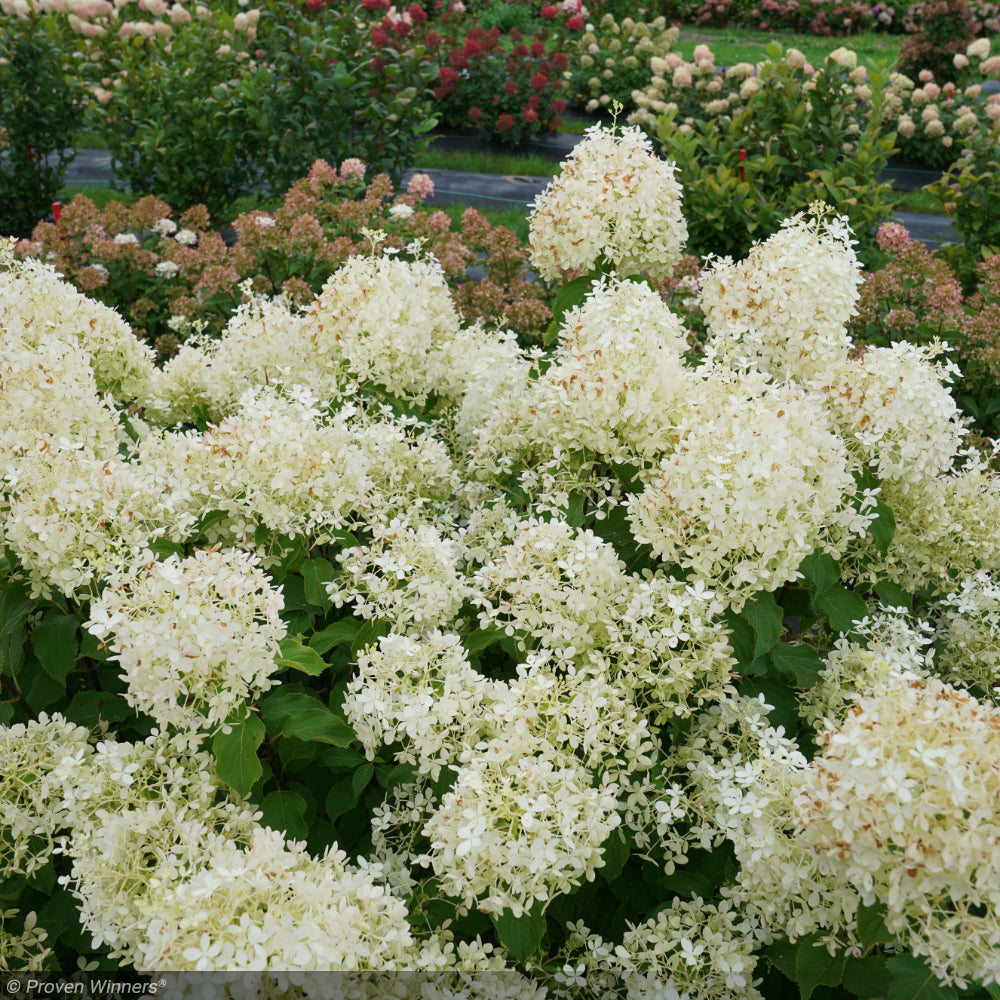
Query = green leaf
x=285 y=811
x=335 y=635
x=892 y=595
x=815 y=966
x=764 y=617
x=781 y=955
x=913 y=980
x=821 y=570
x=802 y=661
x=871 y=927
x=236 y=760
x=844 y=607
x=368 y=635
x=319 y=725
x=55 y=644
x=616 y=852
x=994 y=990
x=481 y=638
x=299 y=657
x=361 y=778
x=340 y=799
x=568 y=297
x=521 y=935
x=883 y=528
x=317 y=573
x=867 y=977
x=89 y=707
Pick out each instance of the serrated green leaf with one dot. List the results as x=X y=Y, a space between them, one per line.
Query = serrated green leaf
x=802 y=662
x=883 y=528
x=341 y=799
x=764 y=617
x=368 y=635
x=55 y=644
x=482 y=638
x=521 y=935
x=317 y=573
x=88 y=708
x=235 y=753
x=361 y=778
x=913 y=980
x=319 y=725
x=844 y=607
x=335 y=635
x=867 y=977
x=781 y=955
x=871 y=927
x=569 y=296
x=892 y=595
x=815 y=966
x=285 y=811
x=616 y=852
x=298 y=657
x=821 y=570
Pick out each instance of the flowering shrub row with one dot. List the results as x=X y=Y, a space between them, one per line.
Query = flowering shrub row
x=817 y=17
x=600 y=671
x=253 y=92
x=174 y=276
x=932 y=121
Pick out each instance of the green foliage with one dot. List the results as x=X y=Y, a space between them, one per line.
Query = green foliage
x=971 y=187
x=937 y=31
x=238 y=121
x=40 y=110
x=793 y=142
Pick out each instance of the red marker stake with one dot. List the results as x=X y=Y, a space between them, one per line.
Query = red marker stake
x=743 y=156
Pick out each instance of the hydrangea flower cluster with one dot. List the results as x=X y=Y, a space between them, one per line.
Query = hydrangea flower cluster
x=196 y=638
x=624 y=203
x=786 y=306
x=899 y=804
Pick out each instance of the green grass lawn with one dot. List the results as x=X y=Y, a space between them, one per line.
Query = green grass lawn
x=733 y=45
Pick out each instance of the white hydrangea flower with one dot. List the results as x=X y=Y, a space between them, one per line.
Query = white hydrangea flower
x=196 y=638
x=75 y=519
x=408 y=576
x=273 y=463
x=263 y=344
x=49 y=395
x=899 y=805
x=615 y=203
x=32 y=811
x=893 y=406
x=969 y=634
x=884 y=647
x=758 y=481
x=567 y=591
x=945 y=531
x=618 y=384
x=35 y=301
x=786 y=306
x=511 y=833
x=385 y=318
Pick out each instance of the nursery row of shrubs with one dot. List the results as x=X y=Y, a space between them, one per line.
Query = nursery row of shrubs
x=255 y=93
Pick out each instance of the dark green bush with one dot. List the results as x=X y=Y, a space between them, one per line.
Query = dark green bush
x=40 y=111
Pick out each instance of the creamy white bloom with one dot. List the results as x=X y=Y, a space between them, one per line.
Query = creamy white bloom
x=36 y=303
x=384 y=319
x=893 y=406
x=901 y=804
x=197 y=639
x=757 y=482
x=614 y=204
x=785 y=307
